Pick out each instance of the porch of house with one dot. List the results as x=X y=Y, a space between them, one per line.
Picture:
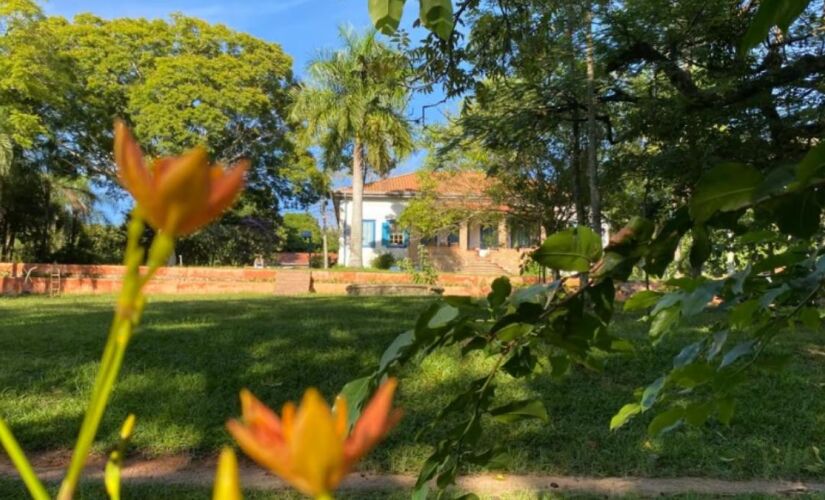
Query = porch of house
x=482 y=249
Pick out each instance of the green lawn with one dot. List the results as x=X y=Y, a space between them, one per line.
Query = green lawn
x=192 y=354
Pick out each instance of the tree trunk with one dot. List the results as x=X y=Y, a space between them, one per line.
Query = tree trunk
x=592 y=170
x=356 y=230
x=575 y=139
x=324 y=231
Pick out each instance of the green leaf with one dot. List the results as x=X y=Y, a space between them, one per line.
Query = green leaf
x=743 y=315
x=665 y=421
x=520 y=410
x=701 y=248
x=698 y=300
x=737 y=352
x=575 y=249
x=809 y=316
x=560 y=365
x=697 y=414
x=725 y=408
x=437 y=16
x=727 y=187
x=719 y=339
x=396 y=349
x=812 y=165
x=798 y=214
x=771 y=13
x=643 y=299
x=651 y=393
x=627 y=412
x=688 y=354
x=501 y=289
x=355 y=392
x=664 y=321
x=513 y=331
x=386 y=14
x=522 y=363
x=692 y=375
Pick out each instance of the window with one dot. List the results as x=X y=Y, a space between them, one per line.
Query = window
x=368 y=233
x=392 y=236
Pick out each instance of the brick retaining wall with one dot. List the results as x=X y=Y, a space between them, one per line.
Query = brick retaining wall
x=79 y=279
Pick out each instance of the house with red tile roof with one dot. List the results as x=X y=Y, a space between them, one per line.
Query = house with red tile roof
x=474 y=247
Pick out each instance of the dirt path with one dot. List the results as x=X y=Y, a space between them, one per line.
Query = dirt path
x=185 y=471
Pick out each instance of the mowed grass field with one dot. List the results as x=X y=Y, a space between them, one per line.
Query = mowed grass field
x=192 y=354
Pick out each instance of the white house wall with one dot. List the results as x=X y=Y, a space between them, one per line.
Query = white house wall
x=379 y=210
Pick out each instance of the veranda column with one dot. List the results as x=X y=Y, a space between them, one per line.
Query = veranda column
x=503 y=233
x=464 y=236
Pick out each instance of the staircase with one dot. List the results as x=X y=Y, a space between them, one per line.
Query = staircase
x=293 y=282
x=473 y=264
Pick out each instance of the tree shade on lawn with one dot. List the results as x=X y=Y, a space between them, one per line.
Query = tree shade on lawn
x=193 y=353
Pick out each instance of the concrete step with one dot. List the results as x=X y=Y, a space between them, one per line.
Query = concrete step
x=293 y=283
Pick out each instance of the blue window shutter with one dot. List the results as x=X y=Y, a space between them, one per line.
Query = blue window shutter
x=385 y=234
x=406 y=238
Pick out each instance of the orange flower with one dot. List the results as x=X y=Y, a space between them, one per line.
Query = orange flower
x=180 y=194
x=308 y=446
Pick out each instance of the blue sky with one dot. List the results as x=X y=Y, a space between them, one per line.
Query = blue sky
x=301 y=27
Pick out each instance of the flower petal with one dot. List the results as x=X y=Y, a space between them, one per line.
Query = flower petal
x=317 y=450
x=132 y=170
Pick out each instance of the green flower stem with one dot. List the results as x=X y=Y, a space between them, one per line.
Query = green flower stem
x=127 y=315
x=18 y=458
x=324 y=496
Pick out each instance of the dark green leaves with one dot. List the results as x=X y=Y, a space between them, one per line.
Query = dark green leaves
x=665 y=420
x=501 y=289
x=812 y=165
x=727 y=187
x=520 y=410
x=772 y=13
x=575 y=249
x=386 y=14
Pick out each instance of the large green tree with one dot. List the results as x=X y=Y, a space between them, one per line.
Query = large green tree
x=178 y=83
x=352 y=105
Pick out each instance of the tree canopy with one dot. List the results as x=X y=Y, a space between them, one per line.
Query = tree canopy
x=180 y=83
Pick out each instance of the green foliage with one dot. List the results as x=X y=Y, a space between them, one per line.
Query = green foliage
x=436 y=15
x=572 y=250
x=422 y=271
x=295 y=225
x=383 y=261
x=179 y=83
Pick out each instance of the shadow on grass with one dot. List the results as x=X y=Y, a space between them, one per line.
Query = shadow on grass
x=192 y=355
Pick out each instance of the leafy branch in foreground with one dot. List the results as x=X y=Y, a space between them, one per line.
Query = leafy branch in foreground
x=551 y=327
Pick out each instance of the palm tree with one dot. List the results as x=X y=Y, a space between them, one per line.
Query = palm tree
x=353 y=103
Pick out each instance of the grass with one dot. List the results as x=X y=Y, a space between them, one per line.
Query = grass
x=192 y=354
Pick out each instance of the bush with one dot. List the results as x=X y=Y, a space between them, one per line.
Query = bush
x=383 y=261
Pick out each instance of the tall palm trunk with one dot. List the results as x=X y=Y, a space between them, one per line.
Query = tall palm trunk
x=356 y=230
x=592 y=170
x=325 y=245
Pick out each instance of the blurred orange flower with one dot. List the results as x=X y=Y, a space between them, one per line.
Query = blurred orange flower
x=179 y=194
x=308 y=446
